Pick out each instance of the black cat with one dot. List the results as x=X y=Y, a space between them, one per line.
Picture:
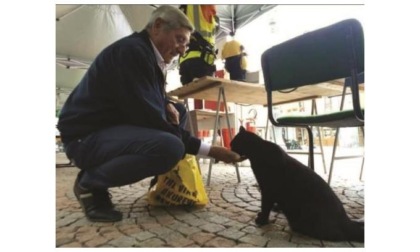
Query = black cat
x=309 y=204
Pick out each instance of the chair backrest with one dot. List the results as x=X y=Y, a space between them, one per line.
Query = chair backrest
x=329 y=53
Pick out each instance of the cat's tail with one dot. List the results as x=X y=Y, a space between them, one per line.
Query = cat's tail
x=355 y=231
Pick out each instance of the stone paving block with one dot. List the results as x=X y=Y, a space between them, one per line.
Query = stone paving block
x=229 y=189
x=277 y=235
x=96 y=242
x=127 y=221
x=214 y=195
x=350 y=193
x=280 y=243
x=87 y=229
x=66 y=230
x=241 y=204
x=212 y=227
x=227 y=221
x=64 y=238
x=223 y=204
x=218 y=219
x=123 y=242
x=255 y=203
x=73 y=244
x=272 y=226
x=148 y=223
x=130 y=229
x=306 y=245
x=82 y=221
x=201 y=237
x=161 y=231
x=142 y=235
x=220 y=242
x=228 y=194
x=236 y=224
x=102 y=224
x=176 y=239
x=255 y=209
x=228 y=214
x=184 y=228
x=243 y=218
x=112 y=234
x=180 y=214
x=194 y=221
x=151 y=243
x=232 y=233
x=252 y=229
x=281 y=220
x=205 y=215
x=86 y=236
x=234 y=209
x=107 y=229
x=340 y=244
x=242 y=194
x=158 y=211
x=65 y=221
x=233 y=200
x=357 y=244
x=193 y=245
x=139 y=210
x=245 y=245
x=303 y=239
x=216 y=201
x=165 y=220
x=60 y=214
x=254 y=239
x=216 y=209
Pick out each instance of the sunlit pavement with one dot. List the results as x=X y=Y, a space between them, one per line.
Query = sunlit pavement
x=227 y=221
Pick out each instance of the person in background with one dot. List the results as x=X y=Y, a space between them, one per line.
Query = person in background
x=235 y=61
x=244 y=62
x=118 y=126
x=198 y=60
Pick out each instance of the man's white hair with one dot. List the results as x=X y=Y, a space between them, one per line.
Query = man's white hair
x=173 y=17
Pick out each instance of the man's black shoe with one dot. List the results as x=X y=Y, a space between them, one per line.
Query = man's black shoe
x=96 y=204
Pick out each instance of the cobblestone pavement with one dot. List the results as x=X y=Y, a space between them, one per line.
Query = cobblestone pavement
x=227 y=221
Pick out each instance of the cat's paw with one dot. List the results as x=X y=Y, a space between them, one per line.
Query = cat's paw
x=277 y=208
x=261 y=220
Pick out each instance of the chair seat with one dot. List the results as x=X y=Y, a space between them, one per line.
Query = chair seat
x=342 y=119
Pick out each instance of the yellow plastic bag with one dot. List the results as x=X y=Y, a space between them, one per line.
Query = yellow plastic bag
x=182 y=185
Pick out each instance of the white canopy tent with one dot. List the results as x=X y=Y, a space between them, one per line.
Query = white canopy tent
x=82 y=31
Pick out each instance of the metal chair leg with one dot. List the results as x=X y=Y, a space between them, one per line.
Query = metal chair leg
x=209 y=172
x=361 y=169
x=314 y=111
x=333 y=155
x=311 y=148
x=363 y=160
x=322 y=150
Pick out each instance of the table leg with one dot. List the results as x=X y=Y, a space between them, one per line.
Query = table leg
x=221 y=95
x=228 y=124
x=192 y=131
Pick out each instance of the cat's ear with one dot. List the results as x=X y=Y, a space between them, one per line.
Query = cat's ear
x=241 y=129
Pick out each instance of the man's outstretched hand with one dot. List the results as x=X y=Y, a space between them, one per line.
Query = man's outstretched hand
x=224 y=154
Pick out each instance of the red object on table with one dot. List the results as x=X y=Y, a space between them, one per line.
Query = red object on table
x=251 y=127
x=220 y=74
x=226 y=138
x=212 y=105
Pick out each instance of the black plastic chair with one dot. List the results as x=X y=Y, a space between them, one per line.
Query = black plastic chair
x=330 y=53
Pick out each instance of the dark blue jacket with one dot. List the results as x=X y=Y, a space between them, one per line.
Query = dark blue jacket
x=124 y=85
